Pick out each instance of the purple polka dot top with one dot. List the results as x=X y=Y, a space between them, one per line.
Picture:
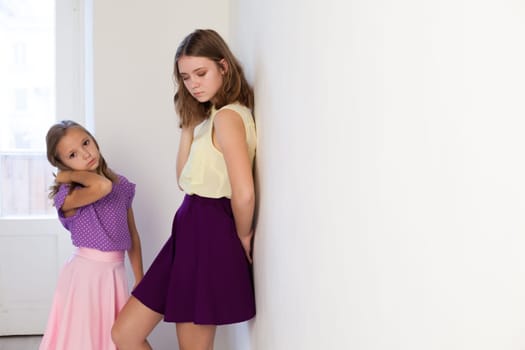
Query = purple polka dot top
x=101 y=225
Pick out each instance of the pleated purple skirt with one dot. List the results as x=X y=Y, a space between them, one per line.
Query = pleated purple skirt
x=201 y=275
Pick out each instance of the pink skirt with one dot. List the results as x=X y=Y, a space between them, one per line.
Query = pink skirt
x=91 y=289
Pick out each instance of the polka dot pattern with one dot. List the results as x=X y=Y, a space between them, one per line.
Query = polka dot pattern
x=101 y=225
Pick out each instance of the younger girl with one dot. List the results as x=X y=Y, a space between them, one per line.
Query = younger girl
x=202 y=276
x=94 y=204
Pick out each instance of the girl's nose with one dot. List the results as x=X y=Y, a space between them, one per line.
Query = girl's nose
x=194 y=84
x=86 y=154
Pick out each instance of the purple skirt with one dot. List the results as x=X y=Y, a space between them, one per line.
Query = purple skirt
x=201 y=275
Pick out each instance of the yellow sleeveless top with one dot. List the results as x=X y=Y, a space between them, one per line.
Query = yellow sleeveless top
x=205 y=173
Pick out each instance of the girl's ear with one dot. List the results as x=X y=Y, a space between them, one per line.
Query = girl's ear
x=223 y=66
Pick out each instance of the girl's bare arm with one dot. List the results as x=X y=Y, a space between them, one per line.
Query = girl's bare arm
x=230 y=139
x=135 y=252
x=94 y=187
x=186 y=138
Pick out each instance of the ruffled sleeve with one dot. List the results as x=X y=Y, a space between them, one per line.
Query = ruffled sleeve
x=59 y=199
x=60 y=196
x=128 y=190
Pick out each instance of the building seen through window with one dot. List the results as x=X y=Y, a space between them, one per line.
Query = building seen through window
x=27 y=105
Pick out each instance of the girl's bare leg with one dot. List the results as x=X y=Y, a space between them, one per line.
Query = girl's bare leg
x=193 y=336
x=134 y=323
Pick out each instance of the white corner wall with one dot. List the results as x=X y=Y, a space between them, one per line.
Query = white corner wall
x=133 y=47
x=390 y=173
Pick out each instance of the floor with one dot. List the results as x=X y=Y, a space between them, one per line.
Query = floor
x=28 y=342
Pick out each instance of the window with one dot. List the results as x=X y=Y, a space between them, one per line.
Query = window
x=38 y=35
x=19 y=54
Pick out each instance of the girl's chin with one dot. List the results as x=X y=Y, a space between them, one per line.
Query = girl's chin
x=201 y=99
x=93 y=166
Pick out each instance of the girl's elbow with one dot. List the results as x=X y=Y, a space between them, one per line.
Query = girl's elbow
x=105 y=187
x=244 y=198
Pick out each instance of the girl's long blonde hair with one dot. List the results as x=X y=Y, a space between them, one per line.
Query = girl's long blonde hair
x=208 y=43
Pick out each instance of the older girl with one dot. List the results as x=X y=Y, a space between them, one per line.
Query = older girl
x=202 y=276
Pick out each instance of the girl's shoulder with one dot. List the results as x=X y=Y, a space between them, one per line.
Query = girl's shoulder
x=236 y=106
x=242 y=110
x=124 y=187
x=123 y=180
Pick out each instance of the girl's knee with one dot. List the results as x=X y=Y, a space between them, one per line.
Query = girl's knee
x=126 y=336
x=122 y=338
x=116 y=334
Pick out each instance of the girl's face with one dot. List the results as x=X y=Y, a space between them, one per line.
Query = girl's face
x=202 y=77
x=78 y=151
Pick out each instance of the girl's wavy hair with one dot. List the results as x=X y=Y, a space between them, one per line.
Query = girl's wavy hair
x=53 y=137
x=208 y=43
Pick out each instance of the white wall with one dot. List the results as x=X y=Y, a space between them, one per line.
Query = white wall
x=390 y=172
x=134 y=43
x=388 y=166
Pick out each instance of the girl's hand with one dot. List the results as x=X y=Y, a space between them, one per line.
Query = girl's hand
x=247 y=245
